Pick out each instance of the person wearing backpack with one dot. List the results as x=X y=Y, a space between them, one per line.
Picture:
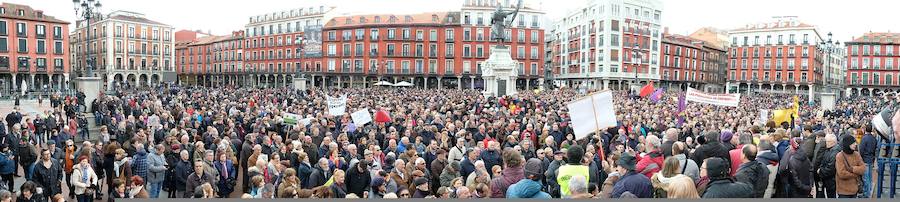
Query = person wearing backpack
x=850 y=168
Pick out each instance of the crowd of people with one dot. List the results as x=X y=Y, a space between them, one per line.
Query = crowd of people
x=195 y=142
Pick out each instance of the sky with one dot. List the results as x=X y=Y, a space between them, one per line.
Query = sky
x=845 y=20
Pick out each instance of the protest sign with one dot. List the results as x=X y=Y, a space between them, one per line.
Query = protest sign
x=337 y=106
x=728 y=100
x=361 y=117
x=592 y=113
x=291 y=119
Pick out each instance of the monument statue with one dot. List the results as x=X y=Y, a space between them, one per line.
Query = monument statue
x=499 y=24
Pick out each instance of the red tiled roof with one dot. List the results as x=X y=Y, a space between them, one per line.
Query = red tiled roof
x=12 y=11
x=435 y=18
x=878 y=37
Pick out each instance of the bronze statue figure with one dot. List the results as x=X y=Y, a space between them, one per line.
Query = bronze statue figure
x=498 y=23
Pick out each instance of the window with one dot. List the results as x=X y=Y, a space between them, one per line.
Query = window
x=520 y=37
x=534 y=36
x=479 y=51
x=448 y=67
x=21 y=30
x=390 y=49
x=23 y=45
x=373 y=34
x=332 y=49
x=432 y=50
x=534 y=53
x=420 y=66
x=420 y=35
x=404 y=67
x=406 y=33
x=3 y=46
x=58 y=47
x=448 y=35
x=405 y=50
x=420 y=50
x=805 y=38
x=450 y=50
x=467 y=34
x=390 y=33
x=467 y=51
x=432 y=35
x=41 y=63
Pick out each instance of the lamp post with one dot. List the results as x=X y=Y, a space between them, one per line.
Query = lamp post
x=86 y=10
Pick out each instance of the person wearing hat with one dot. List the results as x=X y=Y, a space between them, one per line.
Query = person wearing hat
x=721 y=185
x=573 y=167
x=378 y=188
x=631 y=180
x=450 y=172
x=358 y=178
x=531 y=186
x=849 y=166
x=421 y=185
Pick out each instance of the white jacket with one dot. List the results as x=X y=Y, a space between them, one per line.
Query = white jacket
x=77 y=181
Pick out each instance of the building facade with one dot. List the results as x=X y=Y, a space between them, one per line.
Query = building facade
x=202 y=59
x=609 y=44
x=525 y=37
x=33 y=50
x=273 y=41
x=781 y=56
x=129 y=50
x=688 y=62
x=874 y=64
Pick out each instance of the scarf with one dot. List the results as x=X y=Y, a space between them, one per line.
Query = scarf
x=84 y=174
x=118 y=164
x=134 y=191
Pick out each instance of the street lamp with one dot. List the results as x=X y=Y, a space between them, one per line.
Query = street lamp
x=87 y=9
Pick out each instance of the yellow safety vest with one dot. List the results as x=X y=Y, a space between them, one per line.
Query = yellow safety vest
x=566 y=172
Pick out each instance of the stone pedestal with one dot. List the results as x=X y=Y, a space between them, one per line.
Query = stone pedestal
x=299 y=83
x=827 y=101
x=90 y=86
x=499 y=73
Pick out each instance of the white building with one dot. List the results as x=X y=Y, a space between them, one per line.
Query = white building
x=598 y=42
x=128 y=48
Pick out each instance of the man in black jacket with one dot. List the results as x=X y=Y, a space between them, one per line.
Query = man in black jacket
x=358 y=179
x=720 y=185
x=13 y=118
x=48 y=173
x=753 y=172
x=712 y=148
x=826 y=168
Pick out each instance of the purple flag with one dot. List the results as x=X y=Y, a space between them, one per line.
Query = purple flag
x=656 y=96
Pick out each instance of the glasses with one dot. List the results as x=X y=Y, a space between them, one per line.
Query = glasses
x=404 y=194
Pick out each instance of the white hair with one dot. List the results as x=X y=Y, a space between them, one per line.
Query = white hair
x=577 y=185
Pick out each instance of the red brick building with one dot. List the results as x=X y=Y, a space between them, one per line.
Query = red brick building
x=688 y=62
x=210 y=60
x=33 y=49
x=781 y=56
x=273 y=41
x=873 y=65
x=430 y=50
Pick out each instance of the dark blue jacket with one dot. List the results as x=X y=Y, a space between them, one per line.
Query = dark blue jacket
x=868 y=148
x=633 y=182
x=7 y=166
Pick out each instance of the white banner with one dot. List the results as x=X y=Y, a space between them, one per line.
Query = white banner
x=361 y=117
x=728 y=100
x=337 y=106
x=592 y=113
